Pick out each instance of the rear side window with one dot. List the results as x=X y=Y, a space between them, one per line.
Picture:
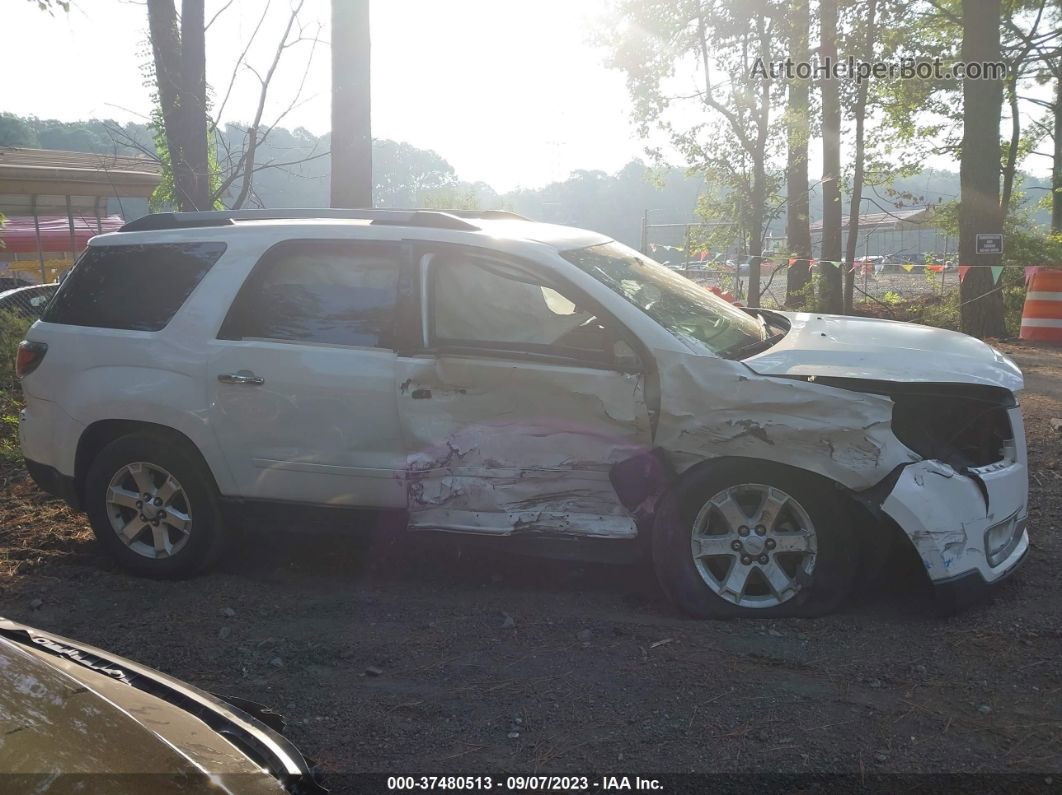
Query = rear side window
x=324 y=292
x=138 y=288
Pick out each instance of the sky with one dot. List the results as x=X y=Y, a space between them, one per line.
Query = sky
x=510 y=93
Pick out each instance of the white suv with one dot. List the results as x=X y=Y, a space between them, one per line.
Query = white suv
x=488 y=375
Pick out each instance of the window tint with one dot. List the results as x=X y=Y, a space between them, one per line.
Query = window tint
x=485 y=303
x=138 y=288
x=333 y=293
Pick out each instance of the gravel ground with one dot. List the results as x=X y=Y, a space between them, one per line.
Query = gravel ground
x=439 y=660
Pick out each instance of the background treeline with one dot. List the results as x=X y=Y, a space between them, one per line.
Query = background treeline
x=295 y=170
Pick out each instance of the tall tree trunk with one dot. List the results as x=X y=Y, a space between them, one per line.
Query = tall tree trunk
x=351 y=105
x=758 y=218
x=193 y=101
x=831 y=289
x=758 y=199
x=180 y=75
x=1010 y=166
x=860 y=113
x=981 y=310
x=1056 y=174
x=797 y=219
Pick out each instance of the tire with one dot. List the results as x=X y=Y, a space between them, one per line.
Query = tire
x=809 y=542
x=190 y=535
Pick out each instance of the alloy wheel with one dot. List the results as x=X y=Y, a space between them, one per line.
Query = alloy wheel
x=149 y=510
x=754 y=545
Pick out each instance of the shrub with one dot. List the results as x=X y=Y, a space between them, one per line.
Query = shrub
x=13 y=327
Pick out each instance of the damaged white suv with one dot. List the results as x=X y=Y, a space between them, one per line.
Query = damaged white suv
x=492 y=376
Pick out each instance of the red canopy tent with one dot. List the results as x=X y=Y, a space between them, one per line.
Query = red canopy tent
x=18 y=235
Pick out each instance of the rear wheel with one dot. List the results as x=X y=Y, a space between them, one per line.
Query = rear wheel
x=755 y=541
x=153 y=505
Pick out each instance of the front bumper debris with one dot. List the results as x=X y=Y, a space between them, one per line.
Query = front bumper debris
x=965 y=523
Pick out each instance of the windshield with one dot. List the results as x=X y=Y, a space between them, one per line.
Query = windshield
x=699 y=318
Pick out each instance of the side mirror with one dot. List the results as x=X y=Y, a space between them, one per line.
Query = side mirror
x=625 y=358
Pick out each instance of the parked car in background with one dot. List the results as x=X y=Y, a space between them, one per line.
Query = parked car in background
x=491 y=376
x=28 y=301
x=74 y=718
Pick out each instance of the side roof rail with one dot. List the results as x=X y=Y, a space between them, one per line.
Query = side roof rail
x=488 y=215
x=438 y=219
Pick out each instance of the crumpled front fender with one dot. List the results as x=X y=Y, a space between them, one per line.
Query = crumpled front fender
x=714 y=408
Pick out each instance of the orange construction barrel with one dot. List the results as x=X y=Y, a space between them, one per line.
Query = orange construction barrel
x=1041 y=317
x=1042 y=314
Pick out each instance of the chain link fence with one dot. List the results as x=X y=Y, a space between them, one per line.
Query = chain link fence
x=920 y=289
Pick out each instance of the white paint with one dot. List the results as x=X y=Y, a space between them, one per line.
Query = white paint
x=712 y=407
x=506 y=444
x=944 y=512
x=856 y=347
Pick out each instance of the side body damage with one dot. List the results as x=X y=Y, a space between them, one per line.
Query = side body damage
x=713 y=407
x=497 y=449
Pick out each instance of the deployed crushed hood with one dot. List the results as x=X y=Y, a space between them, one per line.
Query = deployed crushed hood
x=884 y=350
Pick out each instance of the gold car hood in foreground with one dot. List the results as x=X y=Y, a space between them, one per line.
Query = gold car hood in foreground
x=69 y=711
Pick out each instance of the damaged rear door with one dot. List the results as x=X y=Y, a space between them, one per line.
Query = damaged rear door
x=516 y=401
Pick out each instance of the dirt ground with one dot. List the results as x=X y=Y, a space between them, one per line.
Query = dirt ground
x=433 y=660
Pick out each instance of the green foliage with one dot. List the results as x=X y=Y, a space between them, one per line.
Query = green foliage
x=13 y=328
x=449 y=198
x=946 y=217
x=165 y=194
x=729 y=135
x=941 y=313
x=915 y=111
x=10 y=449
x=16 y=131
x=810 y=295
x=1024 y=247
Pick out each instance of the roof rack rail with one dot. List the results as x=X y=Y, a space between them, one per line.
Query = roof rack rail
x=487 y=215
x=439 y=219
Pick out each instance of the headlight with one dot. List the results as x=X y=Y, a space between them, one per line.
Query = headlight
x=1001 y=538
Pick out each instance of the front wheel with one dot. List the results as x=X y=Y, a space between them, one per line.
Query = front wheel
x=153 y=506
x=755 y=541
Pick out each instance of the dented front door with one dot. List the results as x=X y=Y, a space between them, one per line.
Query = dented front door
x=496 y=446
x=507 y=436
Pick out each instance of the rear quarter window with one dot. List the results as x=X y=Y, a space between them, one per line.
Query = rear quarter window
x=137 y=288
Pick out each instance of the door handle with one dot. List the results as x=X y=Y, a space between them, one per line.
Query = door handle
x=242 y=377
x=421 y=394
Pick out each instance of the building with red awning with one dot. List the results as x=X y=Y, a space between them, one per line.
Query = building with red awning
x=54 y=201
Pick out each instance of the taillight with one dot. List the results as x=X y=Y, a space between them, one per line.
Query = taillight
x=30 y=355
